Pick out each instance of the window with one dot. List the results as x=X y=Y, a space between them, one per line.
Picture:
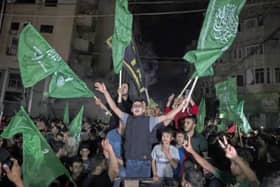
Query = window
x=259 y=74
x=267 y=75
x=51 y=3
x=240 y=80
x=12 y=49
x=14 y=27
x=277 y=75
x=255 y=50
x=46 y=28
x=13 y=96
x=14 y=81
x=260 y=20
x=237 y=53
x=207 y=91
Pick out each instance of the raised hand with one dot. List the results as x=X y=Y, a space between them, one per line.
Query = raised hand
x=230 y=151
x=107 y=147
x=188 y=145
x=171 y=97
x=100 y=87
x=14 y=174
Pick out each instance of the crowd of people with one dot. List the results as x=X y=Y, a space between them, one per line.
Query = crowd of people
x=142 y=142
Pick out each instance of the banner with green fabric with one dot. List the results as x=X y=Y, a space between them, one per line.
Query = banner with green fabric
x=244 y=124
x=122 y=33
x=75 y=126
x=37 y=59
x=40 y=164
x=226 y=92
x=217 y=34
x=66 y=84
x=201 y=116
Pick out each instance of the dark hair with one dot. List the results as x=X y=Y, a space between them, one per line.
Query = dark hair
x=84 y=145
x=139 y=100
x=75 y=159
x=179 y=131
x=195 y=177
x=192 y=117
x=167 y=130
x=182 y=120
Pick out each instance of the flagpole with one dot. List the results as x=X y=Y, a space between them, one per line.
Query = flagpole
x=184 y=89
x=103 y=107
x=240 y=137
x=120 y=85
x=191 y=91
x=147 y=95
x=30 y=101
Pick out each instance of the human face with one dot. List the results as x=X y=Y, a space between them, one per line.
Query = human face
x=54 y=130
x=124 y=89
x=77 y=168
x=138 y=108
x=179 y=139
x=189 y=125
x=84 y=153
x=166 y=138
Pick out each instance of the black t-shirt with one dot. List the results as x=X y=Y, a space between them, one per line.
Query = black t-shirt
x=102 y=180
x=124 y=106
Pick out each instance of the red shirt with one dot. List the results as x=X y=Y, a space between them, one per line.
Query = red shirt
x=190 y=111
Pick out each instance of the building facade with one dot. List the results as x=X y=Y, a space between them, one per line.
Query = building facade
x=254 y=60
x=55 y=21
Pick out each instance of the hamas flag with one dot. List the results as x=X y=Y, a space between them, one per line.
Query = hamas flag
x=40 y=165
x=122 y=33
x=66 y=84
x=216 y=36
x=226 y=92
x=37 y=59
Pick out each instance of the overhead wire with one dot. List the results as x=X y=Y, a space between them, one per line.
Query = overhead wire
x=106 y=15
x=134 y=14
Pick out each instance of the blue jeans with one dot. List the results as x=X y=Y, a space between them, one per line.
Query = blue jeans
x=138 y=168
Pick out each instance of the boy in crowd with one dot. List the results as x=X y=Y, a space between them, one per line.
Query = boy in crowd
x=164 y=157
x=137 y=133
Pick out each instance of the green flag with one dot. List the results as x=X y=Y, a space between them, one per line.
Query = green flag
x=40 y=164
x=217 y=34
x=37 y=59
x=226 y=92
x=66 y=114
x=66 y=84
x=244 y=124
x=75 y=126
x=201 y=116
x=122 y=33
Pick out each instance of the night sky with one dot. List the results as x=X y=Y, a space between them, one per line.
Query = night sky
x=169 y=35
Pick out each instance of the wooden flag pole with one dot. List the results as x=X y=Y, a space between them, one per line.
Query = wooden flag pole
x=191 y=91
x=30 y=100
x=240 y=137
x=120 y=85
x=103 y=106
x=184 y=89
x=147 y=95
